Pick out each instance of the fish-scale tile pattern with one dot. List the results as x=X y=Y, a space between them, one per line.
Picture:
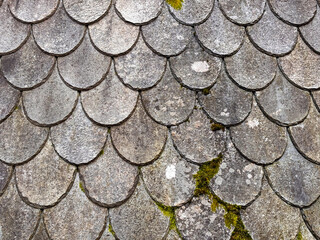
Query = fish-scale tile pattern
x=13 y=33
x=18 y=220
x=75 y=217
x=51 y=103
x=302 y=135
x=270 y=217
x=196 y=220
x=9 y=98
x=168 y=102
x=85 y=67
x=86 y=11
x=225 y=102
x=113 y=114
x=115 y=108
x=195 y=139
x=250 y=68
x=295 y=178
x=195 y=68
x=311 y=32
x=226 y=37
x=139 y=12
x=78 y=140
x=296 y=12
x=273 y=36
x=139 y=140
x=28 y=67
x=59 y=34
x=23 y=141
x=194 y=12
x=278 y=103
x=112 y=35
x=305 y=62
x=169 y=180
x=140 y=68
x=243 y=12
x=33 y=11
x=109 y=180
x=259 y=139
x=45 y=179
x=165 y=35
x=139 y=217
x=238 y=180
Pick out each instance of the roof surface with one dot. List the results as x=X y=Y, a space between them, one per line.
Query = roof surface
x=110 y=114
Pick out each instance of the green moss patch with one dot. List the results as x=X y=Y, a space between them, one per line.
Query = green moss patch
x=206 y=172
x=101 y=152
x=240 y=232
x=111 y=230
x=81 y=186
x=176 y=4
x=169 y=212
x=299 y=236
x=206 y=91
x=217 y=126
x=232 y=216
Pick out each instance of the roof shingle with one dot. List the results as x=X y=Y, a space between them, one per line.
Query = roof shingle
x=109 y=108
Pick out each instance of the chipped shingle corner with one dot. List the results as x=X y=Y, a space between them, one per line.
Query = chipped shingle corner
x=113 y=115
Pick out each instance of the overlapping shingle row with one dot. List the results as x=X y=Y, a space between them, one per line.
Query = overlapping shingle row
x=108 y=109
